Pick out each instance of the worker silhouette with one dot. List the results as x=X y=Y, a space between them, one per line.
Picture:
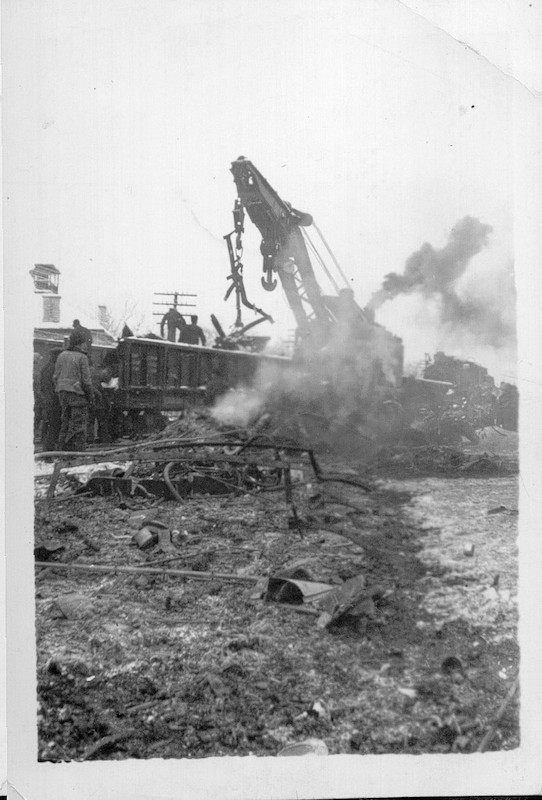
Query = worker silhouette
x=192 y=334
x=174 y=322
x=77 y=327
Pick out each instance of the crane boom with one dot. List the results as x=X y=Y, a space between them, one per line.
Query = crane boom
x=283 y=247
x=346 y=363
x=326 y=323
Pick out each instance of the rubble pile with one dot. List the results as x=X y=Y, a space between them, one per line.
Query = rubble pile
x=435 y=459
x=194 y=423
x=285 y=611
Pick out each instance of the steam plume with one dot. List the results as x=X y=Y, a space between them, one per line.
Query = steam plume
x=326 y=392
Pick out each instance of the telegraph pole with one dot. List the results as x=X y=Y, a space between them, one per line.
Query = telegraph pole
x=174 y=303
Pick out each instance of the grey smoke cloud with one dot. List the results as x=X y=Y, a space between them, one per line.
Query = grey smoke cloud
x=434 y=274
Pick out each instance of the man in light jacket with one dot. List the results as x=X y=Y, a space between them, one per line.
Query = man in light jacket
x=75 y=393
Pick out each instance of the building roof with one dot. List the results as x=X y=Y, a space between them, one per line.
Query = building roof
x=49 y=269
x=100 y=338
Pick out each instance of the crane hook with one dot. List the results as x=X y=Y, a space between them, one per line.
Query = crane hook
x=269 y=283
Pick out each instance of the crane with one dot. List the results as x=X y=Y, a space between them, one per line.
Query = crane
x=349 y=366
x=285 y=250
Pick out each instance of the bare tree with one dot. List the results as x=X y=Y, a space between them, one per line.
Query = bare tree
x=130 y=314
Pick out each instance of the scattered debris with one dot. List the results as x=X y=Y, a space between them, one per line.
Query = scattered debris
x=485 y=463
x=298 y=569
x=145 y=538
x=138 y=520
x=199 y=670
x=178 y=538
x=295 y=523
x=105 y=743
x=451 y=665
x=53 y=482
x=46 y=550
x=320 y=710
x=164 y=540
x=408 y=692
x=296 y=592
x=66 y=526
x=152 y=522
x=503 y=510
x=350 y=598
x=310 y=747
x=181 y=573
x=438 y=459
x=311 y=612
x=214 y=682
x=71 y=606
x=486 y=741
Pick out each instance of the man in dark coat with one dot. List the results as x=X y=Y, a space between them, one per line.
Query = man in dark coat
x=78 y=328
x=192 y=334
x=38 y=406
x=99 y=411
x=50 y=403
x=174 y=322
x=75 y=393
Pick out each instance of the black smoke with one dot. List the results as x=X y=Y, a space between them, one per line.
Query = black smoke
x=434 y=274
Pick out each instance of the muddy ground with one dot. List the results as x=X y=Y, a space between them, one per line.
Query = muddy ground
x=146 y=666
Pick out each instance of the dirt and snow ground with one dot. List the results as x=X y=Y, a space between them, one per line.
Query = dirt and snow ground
x=141 y=666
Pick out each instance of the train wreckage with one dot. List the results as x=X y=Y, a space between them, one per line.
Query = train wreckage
x=265 y=570
x=345 y=378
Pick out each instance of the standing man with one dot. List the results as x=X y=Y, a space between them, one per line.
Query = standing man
x=192 y=334
x=99 y=411
x=74 y=388
x=174 y=321
x=50 y=403
x=77 y=327
x=38 y=407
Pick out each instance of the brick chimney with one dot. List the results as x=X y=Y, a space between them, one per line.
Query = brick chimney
x=51 y=308
x=103 y=316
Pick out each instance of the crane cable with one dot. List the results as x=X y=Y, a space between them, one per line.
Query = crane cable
x=321 y=235
x=320 y=260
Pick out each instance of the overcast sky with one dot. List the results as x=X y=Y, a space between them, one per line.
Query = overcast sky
x=123 y=118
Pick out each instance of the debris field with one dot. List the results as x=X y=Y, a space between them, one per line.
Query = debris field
x=276 y=601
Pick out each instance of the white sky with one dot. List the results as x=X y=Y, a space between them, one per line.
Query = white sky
x=123 y=118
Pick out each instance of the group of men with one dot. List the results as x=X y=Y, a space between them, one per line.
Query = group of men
x=69 y=393
x=68 y=389
x=189 y=333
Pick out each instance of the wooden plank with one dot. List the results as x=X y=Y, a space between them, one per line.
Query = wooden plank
x=181 y=573
x=54 y=480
